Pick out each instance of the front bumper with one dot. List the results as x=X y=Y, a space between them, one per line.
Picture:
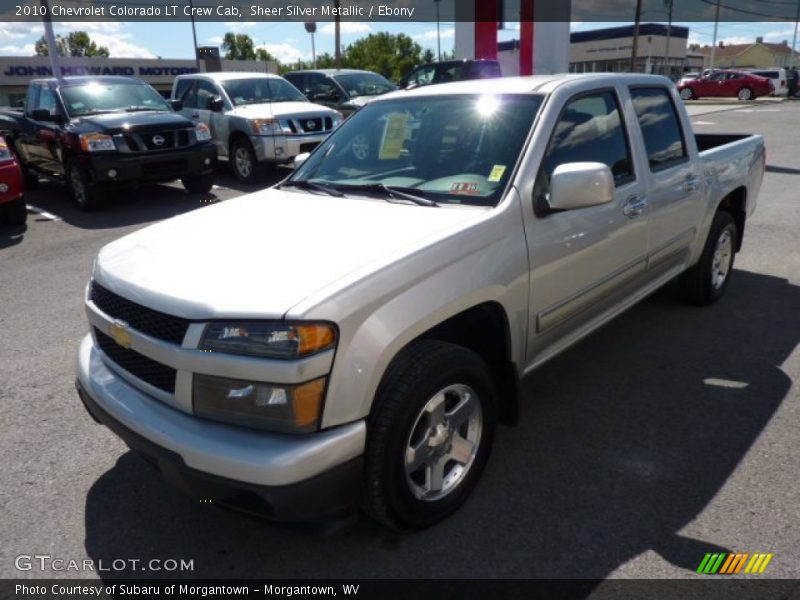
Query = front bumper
x=283 y=148
x=280 y=476
x=164 y=166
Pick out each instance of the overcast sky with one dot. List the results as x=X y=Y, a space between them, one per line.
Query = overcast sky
x=289 y=41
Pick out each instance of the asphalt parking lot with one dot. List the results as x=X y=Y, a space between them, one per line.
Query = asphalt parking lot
x=669 y=433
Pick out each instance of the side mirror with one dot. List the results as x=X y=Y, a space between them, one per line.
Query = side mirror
x=177 y=105
x=42 y=114
x=216 y=104
x=300 y=159
x=580 y=184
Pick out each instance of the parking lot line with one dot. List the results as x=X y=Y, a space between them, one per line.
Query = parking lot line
x=42 y=213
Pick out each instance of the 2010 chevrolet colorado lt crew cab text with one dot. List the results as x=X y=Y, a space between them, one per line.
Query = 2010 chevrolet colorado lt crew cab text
x=353 y=335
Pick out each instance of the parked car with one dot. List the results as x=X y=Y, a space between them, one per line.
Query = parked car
x=12 y=204
x=345 y=90
x=777 y=77
x=353 y=334
x=100 y=133
x=726 y=84
x=451 y=70
x=254 y=117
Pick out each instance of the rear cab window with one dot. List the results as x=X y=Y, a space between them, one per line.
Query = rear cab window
x=660 y=126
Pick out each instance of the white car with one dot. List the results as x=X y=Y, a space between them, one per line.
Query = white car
x=777 y=77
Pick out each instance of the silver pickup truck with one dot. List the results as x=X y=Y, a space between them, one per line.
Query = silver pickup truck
x=254 y=117
x=352 y=336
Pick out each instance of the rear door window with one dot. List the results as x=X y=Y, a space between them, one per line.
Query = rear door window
x=661 y=128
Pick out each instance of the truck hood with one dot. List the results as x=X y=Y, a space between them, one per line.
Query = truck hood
x=259 y=255
x=280 y=110
x=132 y=121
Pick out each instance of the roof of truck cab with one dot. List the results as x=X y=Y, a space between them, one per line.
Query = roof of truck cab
x=84 y=79
x=228 y=75
x=540 y=84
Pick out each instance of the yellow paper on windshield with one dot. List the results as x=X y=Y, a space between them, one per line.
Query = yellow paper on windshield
x=496 y=174
x=393 y=136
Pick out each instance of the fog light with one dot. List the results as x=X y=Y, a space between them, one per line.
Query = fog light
x=3 y=188
x=112 y=173
x=207 y=161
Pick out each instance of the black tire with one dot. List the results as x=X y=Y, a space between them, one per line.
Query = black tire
x=412 y=382
x=702 y=284
x=198 y=183
x=84 y=193
x=242 y=155
x=14 y=213
x=30 y=180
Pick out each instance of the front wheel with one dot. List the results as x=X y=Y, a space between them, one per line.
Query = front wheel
x=429 y=435
x=198 y=183
x=243 y=161
x=687 y=94
x=15 y=213
x=705 y=282
x=86 y=195
x=745 y=94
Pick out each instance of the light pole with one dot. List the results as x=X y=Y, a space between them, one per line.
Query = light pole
x=714 y=43
x=337 y=34
x=311 y=27
x=438 y=35
x=194 y=36
x=52 y=47
x=636 y=35
x=794 y=39
x=667 y=61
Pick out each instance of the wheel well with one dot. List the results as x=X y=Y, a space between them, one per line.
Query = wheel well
x=236 y=135
x=484 y=330
x=735 y=203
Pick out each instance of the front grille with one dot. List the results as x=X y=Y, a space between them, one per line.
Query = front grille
x=146 y=320
x=145 y=141
x=146 y=369
x=303 y=125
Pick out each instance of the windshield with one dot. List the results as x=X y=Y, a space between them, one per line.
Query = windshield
x=458 y=149
x=364 y=84
x=97 y=97
x=261 y=90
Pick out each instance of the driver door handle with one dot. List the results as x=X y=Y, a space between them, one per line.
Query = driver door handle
x=634 y=207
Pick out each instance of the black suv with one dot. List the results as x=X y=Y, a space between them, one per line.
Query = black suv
x=346 y=90
x=96 y=133
x=451 y=70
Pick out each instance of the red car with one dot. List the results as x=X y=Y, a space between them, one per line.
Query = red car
x=726 y=84
x=12 y=205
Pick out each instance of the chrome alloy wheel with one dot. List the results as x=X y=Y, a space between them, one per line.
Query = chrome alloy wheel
x=443 y=442
x=721 y=263
x=244 y=163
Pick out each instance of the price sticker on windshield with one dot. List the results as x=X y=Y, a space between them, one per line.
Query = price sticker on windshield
x=394 y=135
x=497 y=173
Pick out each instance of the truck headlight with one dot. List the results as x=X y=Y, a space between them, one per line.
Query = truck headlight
x=97 y=142
x=269 y=127
x=202 y=132
x=270 y=406
x=268 y=339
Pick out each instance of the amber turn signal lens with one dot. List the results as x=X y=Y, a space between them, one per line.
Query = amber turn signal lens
x=307 y=401
x=314 y=338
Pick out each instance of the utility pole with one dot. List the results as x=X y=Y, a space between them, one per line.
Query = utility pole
x=337 y=36
x=714 y=44
x=667 y=66
x=52 y=46
x=636 y=35
x=438 y=35
x=794 y=39
x=194 y=36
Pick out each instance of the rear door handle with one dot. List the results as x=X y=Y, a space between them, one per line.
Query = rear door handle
x=634 y=207
x=690 y=183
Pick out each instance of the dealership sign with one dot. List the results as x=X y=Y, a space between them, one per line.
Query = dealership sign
x=31 y=71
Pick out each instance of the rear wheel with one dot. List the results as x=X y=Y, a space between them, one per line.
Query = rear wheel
x=429 y=436
x=745 y=94
x=243 y=161
x=14 y=213
x=687 y=94
x=86 y=195
x=198 y=183
x=705 y=282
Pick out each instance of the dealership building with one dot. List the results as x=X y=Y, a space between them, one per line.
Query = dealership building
x=17 y=71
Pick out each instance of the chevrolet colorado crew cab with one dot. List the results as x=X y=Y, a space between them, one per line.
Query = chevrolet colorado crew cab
x=353 y=335
x=98 y=133
x=254 y=117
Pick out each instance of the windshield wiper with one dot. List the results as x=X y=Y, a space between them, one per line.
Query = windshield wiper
x=391 y=192
x=310 y=185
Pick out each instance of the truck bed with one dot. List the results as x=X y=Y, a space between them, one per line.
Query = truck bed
x=708 y=141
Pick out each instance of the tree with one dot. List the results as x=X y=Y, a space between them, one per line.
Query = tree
x=238 y=46
x=263 y=54
x=76 y=43
x=390 y=55
x=428 y=56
